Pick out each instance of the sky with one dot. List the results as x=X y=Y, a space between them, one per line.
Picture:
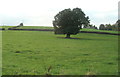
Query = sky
x=119 y=10
x=42 y=12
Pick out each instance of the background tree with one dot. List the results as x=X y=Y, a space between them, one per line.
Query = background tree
x=118 y=25
x=21 y=24
x=70 y=21
x=95 y=27
x=102 y=27
x=114 y=27
x=108 y=27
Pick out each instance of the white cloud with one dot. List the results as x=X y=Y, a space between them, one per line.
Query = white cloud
x=41 y=12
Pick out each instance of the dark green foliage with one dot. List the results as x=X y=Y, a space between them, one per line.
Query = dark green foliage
x=21 y=24
x=102 y=27
x=114 y=27
x=95 y=27
x=90 y=26
x=108 y=27
x=118 y=25
x=70 y=21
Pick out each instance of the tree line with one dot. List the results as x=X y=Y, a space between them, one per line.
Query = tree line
x=114 y=27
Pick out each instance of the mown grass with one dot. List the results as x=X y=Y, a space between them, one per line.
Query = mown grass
x=95 y=30
x=33 y=52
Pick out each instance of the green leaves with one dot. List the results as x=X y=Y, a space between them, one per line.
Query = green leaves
x=70 y=21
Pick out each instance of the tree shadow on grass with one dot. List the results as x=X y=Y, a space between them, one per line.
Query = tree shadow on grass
x=82 y=38
x=68 y=38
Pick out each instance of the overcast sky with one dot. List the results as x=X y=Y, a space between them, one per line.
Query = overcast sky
x=119 y=10
x=42 y=12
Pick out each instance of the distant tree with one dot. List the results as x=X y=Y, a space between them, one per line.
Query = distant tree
x=108 y=27
x=102 y=27
x=21 y=24
x=69 y=21
x=118 y=25
x=95 y=27
x=90 y=25
x=114 y=27
x=85 y=26
x=118 y=21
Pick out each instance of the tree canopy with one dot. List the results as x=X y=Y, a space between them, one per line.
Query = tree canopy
x=70 y=21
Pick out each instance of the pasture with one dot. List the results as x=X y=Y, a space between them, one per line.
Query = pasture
x=34 y=27
x=33 y=52
x=47 y=27
x=95 y=30
x=6 y=27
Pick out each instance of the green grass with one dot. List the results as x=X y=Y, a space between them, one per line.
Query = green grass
x=95 y=30
x=6 y=27
x=0 y=53
x=34 y=27
x=43 y=27
x=33 y=52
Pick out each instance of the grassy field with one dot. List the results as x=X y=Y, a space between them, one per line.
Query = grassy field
x=0 y=53
x=6 y=27
x=33 y=52
x=95 y=30
x=42 y=27
x=34 y=27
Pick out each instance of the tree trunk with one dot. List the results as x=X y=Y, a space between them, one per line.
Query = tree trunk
x=68 y=36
